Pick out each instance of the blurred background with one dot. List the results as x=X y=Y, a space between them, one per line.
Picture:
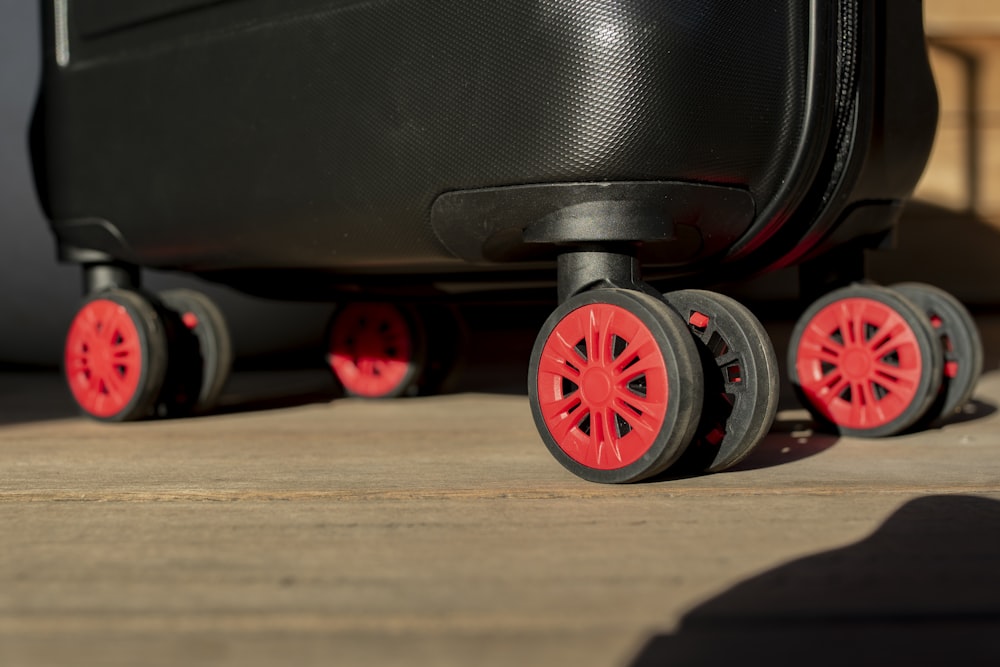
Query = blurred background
x=949 y=236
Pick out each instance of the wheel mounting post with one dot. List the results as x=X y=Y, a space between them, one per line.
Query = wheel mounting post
x=98 y=277
x=583 y=268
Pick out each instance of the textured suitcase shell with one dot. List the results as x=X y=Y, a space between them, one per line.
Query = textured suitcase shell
x=355 y=140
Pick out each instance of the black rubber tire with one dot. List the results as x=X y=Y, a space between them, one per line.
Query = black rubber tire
x=684 y=385
x=206 y=346
x=153 y=353
x=409 y=383
x=741 y=379
x=960 y=343
x=925 y=389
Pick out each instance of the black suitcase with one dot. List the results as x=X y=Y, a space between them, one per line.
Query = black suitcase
x=394 y=150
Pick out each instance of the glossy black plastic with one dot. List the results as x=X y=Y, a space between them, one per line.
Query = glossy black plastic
x=257 y=141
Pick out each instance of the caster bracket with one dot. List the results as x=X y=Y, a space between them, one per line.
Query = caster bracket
x=111 y=275
x=585 y=268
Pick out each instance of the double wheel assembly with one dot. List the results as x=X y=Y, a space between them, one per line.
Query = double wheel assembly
x=874 y=361
x=131 y=355
x=624 y=384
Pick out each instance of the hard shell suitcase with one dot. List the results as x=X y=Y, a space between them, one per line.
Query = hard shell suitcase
x=419 y=150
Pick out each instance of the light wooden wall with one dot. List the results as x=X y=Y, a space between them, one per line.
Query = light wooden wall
x=950 y=235
x=964 y=172
x=961 y=17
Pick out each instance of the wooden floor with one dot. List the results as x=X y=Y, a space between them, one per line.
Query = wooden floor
x=438 y=531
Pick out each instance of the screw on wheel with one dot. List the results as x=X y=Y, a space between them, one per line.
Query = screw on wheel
x=115 y=358
x=614 y=385
x=204 y=349
x=377 y=350
x=741 y=379
x=865 y=361
x=960 y=343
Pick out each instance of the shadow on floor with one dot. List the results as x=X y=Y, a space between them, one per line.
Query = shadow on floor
x=972 y=411
x=32 y=394
x=787 y=441
x=923 y=589
x=795 y=439
x=262 y=389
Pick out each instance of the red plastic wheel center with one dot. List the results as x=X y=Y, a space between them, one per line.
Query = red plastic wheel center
x=597 y=386
x=371 y=349
x=602 y=386
x=856 y=364
x=859 y=363
x=103 y=358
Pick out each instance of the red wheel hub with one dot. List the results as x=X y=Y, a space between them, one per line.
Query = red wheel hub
x=103 y=357
x=371 y=349
x=859 y=363
x=602 y=386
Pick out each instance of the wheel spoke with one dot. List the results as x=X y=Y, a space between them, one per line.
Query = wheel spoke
x=822 y=353
x=872 y=406
x=114 y=326
x=98 y=401
x=858 y=324
x=868 y=394
x=606 y=336
x=819 y=336
x=891 y=377
x=112 y=382
x=602 y=426
x=857 y=410
x=648 y=421
x=88 y=337
x=885 y=337
x=77 y=362
x=562 y=428
x=633 y=350
x=127 y=350
x=831 y=390
x=705 y=335
x=645 y=365
x=845 y=324
x=595 y=350
x=557 y=365
x=567 y=350
x=727 y=359
x=564 y=406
